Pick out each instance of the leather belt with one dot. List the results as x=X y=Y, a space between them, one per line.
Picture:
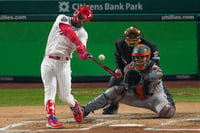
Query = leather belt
x=58 y=57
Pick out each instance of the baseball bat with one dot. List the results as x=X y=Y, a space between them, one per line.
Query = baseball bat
x=107 y=69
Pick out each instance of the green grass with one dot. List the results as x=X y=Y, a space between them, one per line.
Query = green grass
x=186 y=94
x=21 y=97
x=28 y=97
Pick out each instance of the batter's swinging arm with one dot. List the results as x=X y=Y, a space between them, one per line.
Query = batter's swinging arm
x=110 y=71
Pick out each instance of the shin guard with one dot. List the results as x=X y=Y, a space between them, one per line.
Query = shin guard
x=110 y=95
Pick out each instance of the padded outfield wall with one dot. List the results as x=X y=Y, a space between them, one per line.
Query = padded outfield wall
x=24 y=28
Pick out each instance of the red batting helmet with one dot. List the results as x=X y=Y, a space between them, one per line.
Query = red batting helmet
x=85 y=11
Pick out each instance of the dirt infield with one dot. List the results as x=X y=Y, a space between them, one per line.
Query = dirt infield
x=128 y=120
x=32 y=119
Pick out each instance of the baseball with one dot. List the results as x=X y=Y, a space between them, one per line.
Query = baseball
x=101 y=57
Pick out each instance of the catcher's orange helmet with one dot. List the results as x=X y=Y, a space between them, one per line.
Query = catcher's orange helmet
x=85 y=11
x=141 y=51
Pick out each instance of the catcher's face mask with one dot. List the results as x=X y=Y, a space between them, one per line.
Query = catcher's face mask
x=140 y=62
x=141 y=55
x=132 y=36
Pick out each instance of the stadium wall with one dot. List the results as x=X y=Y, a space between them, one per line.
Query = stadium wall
x=25 y=26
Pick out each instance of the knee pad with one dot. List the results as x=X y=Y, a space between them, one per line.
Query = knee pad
x=167 y=111
x=110 y=95
x=114 y=93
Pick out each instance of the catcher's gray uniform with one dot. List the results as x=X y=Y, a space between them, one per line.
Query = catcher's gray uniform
x=141 y=89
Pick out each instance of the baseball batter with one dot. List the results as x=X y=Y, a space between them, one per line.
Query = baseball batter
x=66 y=36
x=142 y=87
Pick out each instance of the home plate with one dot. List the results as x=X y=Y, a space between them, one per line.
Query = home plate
x=127 y=125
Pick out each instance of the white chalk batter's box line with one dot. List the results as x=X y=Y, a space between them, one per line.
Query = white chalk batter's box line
x=45 y=130
x=99 y=124
x=175 y=121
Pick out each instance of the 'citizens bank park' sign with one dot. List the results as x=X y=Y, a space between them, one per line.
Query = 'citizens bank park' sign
x=127 y=6
x=99 y=6
x=24 y=10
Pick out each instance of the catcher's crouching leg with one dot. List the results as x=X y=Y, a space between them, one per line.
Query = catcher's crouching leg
x=167 y=111
x=112 y=108
x=114 y=93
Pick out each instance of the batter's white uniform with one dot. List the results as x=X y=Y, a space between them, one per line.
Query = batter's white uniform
x=55 y=67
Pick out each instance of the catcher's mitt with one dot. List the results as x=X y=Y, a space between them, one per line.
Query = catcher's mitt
x=132 y=79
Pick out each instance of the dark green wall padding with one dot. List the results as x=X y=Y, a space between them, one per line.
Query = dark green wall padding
x=23 y=45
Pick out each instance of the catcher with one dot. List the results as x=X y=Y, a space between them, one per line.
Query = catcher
x=142 y=87
x=132 y=36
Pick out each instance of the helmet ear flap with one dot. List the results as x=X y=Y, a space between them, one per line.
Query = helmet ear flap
x=75 y=16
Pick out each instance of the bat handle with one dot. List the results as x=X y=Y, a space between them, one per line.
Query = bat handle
x=89 y=55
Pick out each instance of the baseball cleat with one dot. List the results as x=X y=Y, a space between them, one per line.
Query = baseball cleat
x=78 y=115
x=52 y=122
